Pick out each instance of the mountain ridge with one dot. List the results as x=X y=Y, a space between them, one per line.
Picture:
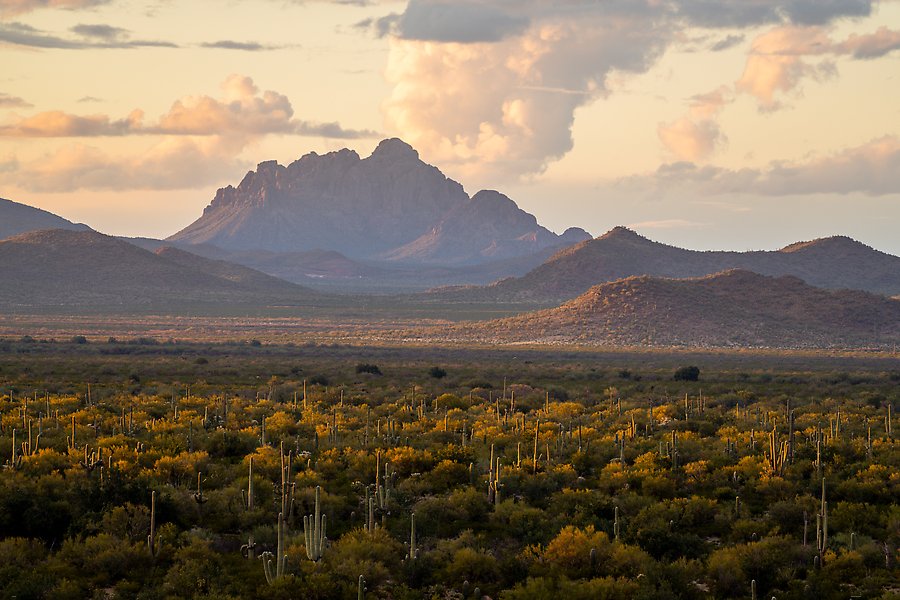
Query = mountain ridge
x=17 y=218
x=389 y=206
x=834 y=263
x=734 y=308
x=65 y=268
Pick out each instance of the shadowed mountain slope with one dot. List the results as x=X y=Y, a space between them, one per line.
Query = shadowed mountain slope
x=18 y=218
x=83 y=268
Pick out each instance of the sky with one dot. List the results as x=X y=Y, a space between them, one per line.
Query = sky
x=708 y=124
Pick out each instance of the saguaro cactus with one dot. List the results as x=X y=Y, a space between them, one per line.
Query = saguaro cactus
x=314 y=531
x=280 y=558
x=616 y=525
x=151 y=539
x=413 y=551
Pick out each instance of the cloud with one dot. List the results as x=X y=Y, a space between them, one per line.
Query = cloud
x=872 y=168
x=776 y=62
x=727 y=42
x=12 y=8
x=697 y=135
x=709 y=104
x=873 y=45
x=752 y=13
x=691 y=140
x=245 y=46
x=462 y=21
x=197 y=142
x=7 y=101
x=91 y=36
x=103 y=32
x=243 y=111
x=171 y=164
x=779 y=58
x=59 y=124
x=505 y=108
x=88 y=99
x=490 y=88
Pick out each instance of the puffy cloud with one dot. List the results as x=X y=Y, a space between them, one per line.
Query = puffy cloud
x=198 y=142
x=872 y=168
x=507 y=107
x=59 y=124
x=491 y=87
x=779 y=58
x=11 y=8
x=691 y=140
x=697 y=135
x=776 y=62
x=242 y=112
x=171 y=164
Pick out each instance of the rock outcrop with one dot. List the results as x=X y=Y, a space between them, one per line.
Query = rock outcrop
x=389 y=206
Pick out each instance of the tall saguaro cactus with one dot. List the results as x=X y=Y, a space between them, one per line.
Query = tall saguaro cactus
x=151 y=539
x=413 y=551
x=822 y=527
x=280 y=558
x=314 y=531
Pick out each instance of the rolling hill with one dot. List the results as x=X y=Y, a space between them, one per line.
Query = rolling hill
x=834 y=263
x=18 y=218
x=77 y=269
x=735 y=308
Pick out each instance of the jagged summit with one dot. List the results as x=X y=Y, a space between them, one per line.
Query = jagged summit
x=395 y=149
x=388 y=206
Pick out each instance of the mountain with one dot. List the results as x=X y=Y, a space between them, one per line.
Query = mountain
x=84 y=268
x=489 y=226
x=239 y=274
x=736 y=308
x=833 y=263
x=18 y=218
x=389 y=206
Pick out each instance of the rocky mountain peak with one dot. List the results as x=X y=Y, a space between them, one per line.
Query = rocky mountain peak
x=395 y=149
x=620 y=232
x=390 y=205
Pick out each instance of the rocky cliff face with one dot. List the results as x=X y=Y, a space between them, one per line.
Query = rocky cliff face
x=390 y=205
